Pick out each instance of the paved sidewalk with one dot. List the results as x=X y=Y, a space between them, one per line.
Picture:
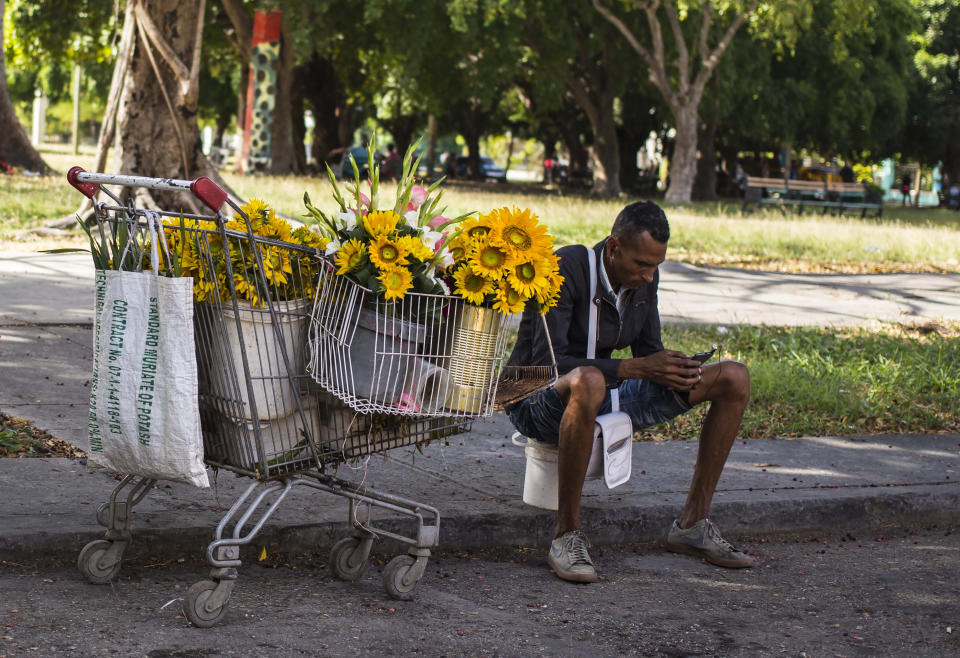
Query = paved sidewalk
x=769 y=485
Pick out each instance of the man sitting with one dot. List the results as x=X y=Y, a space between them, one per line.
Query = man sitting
x=654 y=386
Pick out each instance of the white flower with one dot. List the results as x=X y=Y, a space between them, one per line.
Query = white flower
x=349 y=220
x=430 y=239
x=411 y=217
x=445 y=260
x=332 y=247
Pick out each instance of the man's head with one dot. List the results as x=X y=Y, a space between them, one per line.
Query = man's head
x=637 y=244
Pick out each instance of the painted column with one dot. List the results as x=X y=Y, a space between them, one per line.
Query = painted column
x=261 y=90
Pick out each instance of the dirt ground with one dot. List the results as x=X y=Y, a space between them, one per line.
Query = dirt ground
x=885 y=593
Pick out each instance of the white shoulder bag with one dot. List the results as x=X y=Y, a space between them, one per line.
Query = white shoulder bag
x=612 y=456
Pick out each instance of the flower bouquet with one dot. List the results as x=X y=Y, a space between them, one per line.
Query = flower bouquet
x=503 y=260
x=389 y=250
x=289 y=273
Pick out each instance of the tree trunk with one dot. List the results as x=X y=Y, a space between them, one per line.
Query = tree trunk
x=705 y=183
x=298 y=126
x=323 y=92
x=605 y=152
x=157 y=131
x=283 y=159
x=683 y=163
x=15 y=146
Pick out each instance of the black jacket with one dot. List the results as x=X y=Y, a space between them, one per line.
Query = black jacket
x=639 y=329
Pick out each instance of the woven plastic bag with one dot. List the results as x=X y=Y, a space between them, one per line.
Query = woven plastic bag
x=144 y=415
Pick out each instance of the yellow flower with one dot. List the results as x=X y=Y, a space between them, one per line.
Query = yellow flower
x=305 y=236
x=477 y=227
x=380 y=222
x=488 y=259
x=470 y=286
x=508 y=300
x=529 y=277
x=396 y=282
x=415 y=247
x=549 y=296
x=350 y=256
x=259 y=214
x=386 y=253
x=520 y=231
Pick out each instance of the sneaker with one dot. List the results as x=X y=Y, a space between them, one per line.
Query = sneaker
x=568 y=557
x=703 y=540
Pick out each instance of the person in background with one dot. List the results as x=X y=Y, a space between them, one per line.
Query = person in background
x=846 y=173
x=392 y=162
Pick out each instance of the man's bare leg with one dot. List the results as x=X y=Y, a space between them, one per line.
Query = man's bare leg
x=726 y=385
x=582 y=390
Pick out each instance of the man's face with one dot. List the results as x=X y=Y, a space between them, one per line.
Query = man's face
x=634 y=258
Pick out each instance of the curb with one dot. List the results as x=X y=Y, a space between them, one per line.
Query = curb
x=849 y=510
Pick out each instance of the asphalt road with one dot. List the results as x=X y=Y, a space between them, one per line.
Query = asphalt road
x=891 y=592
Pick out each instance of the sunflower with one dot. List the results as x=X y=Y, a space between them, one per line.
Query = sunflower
x=396 y=282
x=386 y=253
x=470 y=286
x=508 y=300
x=380 y=222
x=415 y=247
x=529 y=277
x=479 y=227
x=350 y=256
x=489 y=259
x=520 y=231
x=549 y=296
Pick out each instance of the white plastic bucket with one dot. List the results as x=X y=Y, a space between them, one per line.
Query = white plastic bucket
x=540 y=478
x=273 y=393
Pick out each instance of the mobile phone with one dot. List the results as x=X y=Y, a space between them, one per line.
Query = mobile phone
x=703 y=357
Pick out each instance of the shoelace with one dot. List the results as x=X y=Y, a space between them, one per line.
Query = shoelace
x=714 y=533
x=577 y=547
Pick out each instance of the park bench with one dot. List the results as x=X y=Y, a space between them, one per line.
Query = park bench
x=827 y=195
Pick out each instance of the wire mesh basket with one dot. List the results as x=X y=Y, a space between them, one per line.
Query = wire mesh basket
x=423 y=356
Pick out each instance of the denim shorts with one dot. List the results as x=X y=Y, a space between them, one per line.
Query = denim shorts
x=647 y=403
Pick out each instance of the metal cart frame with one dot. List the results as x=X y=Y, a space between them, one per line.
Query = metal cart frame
x=261 y=415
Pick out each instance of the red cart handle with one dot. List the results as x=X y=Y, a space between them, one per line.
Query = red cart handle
x=87 y=189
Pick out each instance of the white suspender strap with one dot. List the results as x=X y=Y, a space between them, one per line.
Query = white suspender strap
x=593 y=323
x=592 y=326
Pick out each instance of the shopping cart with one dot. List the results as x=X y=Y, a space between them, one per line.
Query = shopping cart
x=262 y=416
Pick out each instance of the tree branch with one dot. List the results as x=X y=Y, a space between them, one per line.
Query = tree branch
x=149 y=28
x=711 y=60
x=708 y=11
x=193 y=91
x=683 y=54
x=242 y=26
x=654 y=61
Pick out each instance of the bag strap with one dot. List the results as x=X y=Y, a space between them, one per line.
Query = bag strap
x=593 y=322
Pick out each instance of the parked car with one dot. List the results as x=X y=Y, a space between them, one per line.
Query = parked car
x=488 y=168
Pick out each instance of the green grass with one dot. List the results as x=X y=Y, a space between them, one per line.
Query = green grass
x=904 y=240
x=814 y=381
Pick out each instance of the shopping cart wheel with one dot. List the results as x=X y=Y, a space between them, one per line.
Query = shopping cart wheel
x=98 y=563
x=348 y=558
x=401 y=576
x=201 y=606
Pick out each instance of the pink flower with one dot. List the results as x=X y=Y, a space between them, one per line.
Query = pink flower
x=417 y=196
x=364 y=200
x=438 y=221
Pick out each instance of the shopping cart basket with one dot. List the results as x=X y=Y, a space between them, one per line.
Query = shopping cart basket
x=262 y=416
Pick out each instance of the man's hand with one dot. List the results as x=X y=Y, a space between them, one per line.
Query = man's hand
x=667 y=367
